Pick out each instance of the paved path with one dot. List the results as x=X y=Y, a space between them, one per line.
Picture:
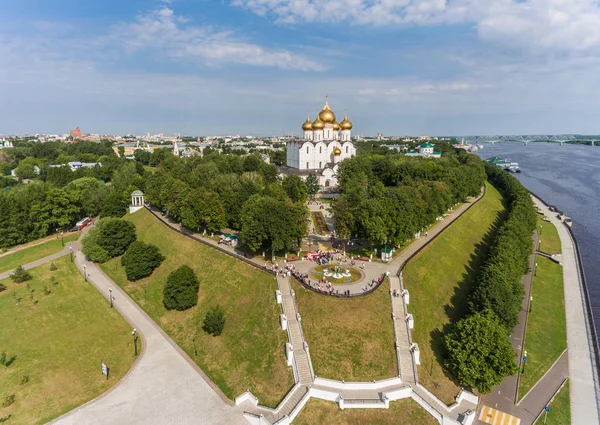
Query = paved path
x=65 y=251
x=163 y=387
x=31 y=244
x=584 y=385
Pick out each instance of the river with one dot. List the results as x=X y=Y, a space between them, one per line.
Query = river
x=567 y=176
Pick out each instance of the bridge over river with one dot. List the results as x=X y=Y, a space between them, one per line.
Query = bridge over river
x=561 y=138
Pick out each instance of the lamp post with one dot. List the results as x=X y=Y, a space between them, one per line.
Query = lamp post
x=535 y=269
x=530 y=302
x=84 y=272
x=134 y=335
x=62 y=238
x=110 y=296
x=71 y=252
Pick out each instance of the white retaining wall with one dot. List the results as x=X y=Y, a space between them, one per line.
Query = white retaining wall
x=339 y=385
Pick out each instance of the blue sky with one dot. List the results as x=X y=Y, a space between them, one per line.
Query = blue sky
x=203 y=67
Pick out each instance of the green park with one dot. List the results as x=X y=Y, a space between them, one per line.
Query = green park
x=213 y=254
x=249 y=353
x=440 y=279
x=57 y=329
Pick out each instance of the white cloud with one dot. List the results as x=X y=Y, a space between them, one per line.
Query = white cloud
x=556 y=25
x=162 y=31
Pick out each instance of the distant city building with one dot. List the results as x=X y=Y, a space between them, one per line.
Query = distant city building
x=325 y=144
x=74 y=165
x=5 y=143
x=75 y=133
x=425 y=151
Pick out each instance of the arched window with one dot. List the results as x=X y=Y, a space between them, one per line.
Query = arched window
x=320 y=164
x=307 y=166
x=346 y=149
x=307 y=149
x=320 y=149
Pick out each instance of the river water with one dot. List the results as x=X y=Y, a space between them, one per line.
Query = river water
x=567 y=176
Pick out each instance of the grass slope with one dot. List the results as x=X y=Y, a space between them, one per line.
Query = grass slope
x=405 y=412
x=59 y=343
x=560 y=409
x=546 y=336
x=27 y=255
x=550 y=242
x=440 y=278
x=349 y=339
x=250 y=352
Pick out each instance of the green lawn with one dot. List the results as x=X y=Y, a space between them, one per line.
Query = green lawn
x=349 y=339
x=546 y=336
x=440 y=278
x=550 y=242
x=59 y=341
x=404 y=411
x=27 y=255
x=560 y=409
x=250 y=354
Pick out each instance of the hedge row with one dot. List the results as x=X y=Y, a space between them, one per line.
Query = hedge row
x=477 y=348
x=500 y=287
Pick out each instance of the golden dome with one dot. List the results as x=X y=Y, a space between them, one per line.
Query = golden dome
x=307 y=126
x=337 y=151
x=327 y=115
x=346 y=124
x=336 y=126
x=318 y=124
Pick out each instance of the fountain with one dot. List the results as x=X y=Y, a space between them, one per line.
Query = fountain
x=337 y=272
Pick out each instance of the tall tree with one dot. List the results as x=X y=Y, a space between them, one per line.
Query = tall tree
x=478 y=352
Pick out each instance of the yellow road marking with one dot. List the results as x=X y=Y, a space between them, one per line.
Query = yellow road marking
x=496 y=417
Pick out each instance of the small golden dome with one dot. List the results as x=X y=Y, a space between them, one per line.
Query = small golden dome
x=307 y=126
x=337 y=151
x=336 y=126
x=327 y=115
x=346 y=124
x=318 y=124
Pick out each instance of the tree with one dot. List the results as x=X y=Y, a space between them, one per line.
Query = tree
x=25 y=171
x=214 y=321
x=181 y=290
x=478 y=353
x=114 y=206
x=283 y=227
x=20 y=275
x=140 y=260
x=91 y=249
x=312 y=185
x=109 y=238
x=295 y=188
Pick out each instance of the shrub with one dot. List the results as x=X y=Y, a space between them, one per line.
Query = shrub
x=24 y=379
x=109 y=238
x=52 y=267
x=20 y=275
x=181 y=290
x=8 y=400
x=214 y=321
x=140 y=260
x=2 y=287
x=478 y=352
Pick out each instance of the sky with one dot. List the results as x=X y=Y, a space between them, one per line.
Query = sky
x=258 y=67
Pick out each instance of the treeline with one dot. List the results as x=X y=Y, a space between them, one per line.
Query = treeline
x=32 y=211
x=478 y=349
x=216 y=191
x=392 y=197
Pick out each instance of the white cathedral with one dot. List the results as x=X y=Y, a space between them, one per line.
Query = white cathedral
x=325 y=144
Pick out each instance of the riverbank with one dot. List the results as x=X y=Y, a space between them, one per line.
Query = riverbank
x=581 y=338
